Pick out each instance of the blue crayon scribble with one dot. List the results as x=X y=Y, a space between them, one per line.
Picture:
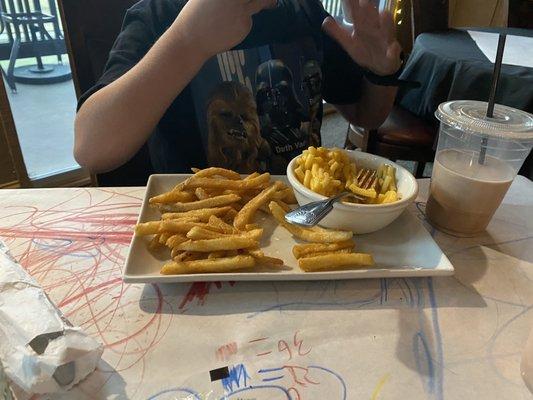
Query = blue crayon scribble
x=336 y=375
x=275 y=378
x=238 y=376
x=429 y=359
x=277 y=389
x=60 y=247
x=438 y=340
x=265 y=370
x=280 y=307
x=186 y=391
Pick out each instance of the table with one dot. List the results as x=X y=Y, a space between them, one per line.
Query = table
x=450 y=66
x=442 y=338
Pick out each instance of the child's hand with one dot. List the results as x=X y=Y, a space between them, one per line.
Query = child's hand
x=371 y=41
x=214 y=26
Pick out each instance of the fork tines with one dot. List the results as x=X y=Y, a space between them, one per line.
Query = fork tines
x=367 y=178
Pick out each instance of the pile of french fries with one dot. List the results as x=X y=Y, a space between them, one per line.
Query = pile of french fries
x=330 y=171
x=207 y=226
x=207 y=222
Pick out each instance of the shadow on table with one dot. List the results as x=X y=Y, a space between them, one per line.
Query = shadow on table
x=257 y=298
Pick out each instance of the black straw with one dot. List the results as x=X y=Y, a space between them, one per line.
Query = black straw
x=493 y=90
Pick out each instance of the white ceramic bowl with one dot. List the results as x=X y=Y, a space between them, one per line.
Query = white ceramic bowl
x=361 y=218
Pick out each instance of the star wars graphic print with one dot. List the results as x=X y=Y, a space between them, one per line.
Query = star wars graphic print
x=257 y=111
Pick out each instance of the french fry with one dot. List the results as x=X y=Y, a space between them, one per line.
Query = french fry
x=202 y=214
x=230 y=216
x=209 y=245
x=220 y=225
x=250 y=227
x=261 y=259
x=331 y=262
x=154 y=244
x=216 y=254
x=217 y=201
x=147 y=228
x=229 y=184
x=172 y=197
x=201 y=193
x=252 y=176
x=174 y=253
x=174 y=226
x=215 y=171
x=323 y=253
x=315 y=234
x=247 y=213
x=198 y=233
x=217 y=265
x=163 y=237
x=302 y=250
x=174 y=240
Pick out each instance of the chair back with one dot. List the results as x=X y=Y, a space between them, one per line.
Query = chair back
x=91 y=28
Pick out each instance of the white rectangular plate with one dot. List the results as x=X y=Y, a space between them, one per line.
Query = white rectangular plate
x=403 y=249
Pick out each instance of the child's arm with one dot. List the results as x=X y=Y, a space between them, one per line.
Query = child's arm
x=116 y=121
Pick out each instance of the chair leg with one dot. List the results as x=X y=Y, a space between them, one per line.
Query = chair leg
x=420 y=167
x=10 y=76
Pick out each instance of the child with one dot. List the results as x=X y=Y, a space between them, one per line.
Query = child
x=173 y=81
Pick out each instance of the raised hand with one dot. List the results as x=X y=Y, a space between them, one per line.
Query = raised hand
x=214 y=26
x=371 y=40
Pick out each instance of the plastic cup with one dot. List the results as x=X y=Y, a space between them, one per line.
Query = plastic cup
x=477 y=159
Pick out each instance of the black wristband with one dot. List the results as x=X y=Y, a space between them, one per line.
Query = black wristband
x=390 y=80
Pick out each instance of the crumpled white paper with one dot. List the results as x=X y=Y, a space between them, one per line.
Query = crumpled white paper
x=40 y=350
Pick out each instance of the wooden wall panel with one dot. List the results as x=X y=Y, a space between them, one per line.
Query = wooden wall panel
x=480 y=13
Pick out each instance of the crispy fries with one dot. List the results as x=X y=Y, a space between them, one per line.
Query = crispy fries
x=220 y=265
x=217 y=201
x=207 y=224
x=252 y=183
x=202 y=214
x=315 y=234
x=303 y=250
x=208 y=245
x=147 y=228
x=173 y=197
x=335 y=261
x=246 y=214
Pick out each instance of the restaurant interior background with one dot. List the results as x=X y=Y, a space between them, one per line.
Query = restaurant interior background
x=38 y=92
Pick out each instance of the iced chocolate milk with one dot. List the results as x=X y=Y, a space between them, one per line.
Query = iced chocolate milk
x=476 y=162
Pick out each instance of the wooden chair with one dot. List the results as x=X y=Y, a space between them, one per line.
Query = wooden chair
x=405 y=136
x=91 y=27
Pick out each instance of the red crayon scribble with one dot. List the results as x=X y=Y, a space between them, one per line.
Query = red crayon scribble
x=75 y=247
x=199 y=291
x=303 y=380
x=298 y=344
x=225 y=352
x=264 y=354
x=294 y=391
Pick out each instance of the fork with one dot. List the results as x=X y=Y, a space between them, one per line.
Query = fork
x=312 y=213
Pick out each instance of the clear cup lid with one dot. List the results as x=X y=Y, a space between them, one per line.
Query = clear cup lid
x=471 y=116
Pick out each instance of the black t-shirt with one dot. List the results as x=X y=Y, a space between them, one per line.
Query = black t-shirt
x=250 y=109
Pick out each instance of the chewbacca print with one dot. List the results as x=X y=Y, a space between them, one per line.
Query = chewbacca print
x=234 y=138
